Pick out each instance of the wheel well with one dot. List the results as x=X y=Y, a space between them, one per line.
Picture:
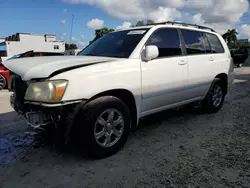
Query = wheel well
x=223 y=78
x=127 y=97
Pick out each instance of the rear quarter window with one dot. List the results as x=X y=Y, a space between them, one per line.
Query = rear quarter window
x=215 y=44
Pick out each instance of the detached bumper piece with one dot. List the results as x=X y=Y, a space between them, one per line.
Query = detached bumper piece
x=38 y=119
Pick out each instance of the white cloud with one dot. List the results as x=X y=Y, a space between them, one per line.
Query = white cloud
x=63 y=22
x=219 y=11
x=95 y=24
x=125 y=25
x=164 y=14
x=74 y=39
x=221 y=14
x=81 y=44
x=245 y=30
x=61 y=37
x=197 y=19
x=79 y=41
x=82 y=36
x=211 y=10
x=130 y=9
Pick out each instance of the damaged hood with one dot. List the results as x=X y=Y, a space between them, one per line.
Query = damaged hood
x=44 y=67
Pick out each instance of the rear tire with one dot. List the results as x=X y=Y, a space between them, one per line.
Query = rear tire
x=103 y=126
x=3 y=82
x=215 y=97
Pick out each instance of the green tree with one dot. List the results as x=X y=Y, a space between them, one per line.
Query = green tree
x=70 y=46
x=237 y=45
x=101 y=32
x=140 y=23
x=230 y=36
x=150 y=22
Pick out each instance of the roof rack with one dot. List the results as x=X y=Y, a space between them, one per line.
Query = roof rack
x=184 y=24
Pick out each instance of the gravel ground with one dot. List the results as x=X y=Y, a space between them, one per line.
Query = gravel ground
x=177 y=148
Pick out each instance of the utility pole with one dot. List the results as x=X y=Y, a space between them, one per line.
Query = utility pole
x=73 y=16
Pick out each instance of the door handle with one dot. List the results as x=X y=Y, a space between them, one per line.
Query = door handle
x=182 y=62
x=211 y=59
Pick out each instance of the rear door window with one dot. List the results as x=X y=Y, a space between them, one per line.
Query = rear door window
x=215 y=43
x=194 y=42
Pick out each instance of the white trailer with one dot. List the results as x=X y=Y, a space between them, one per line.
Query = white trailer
x=22 y=42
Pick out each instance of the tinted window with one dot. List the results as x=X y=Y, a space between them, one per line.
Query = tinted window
x=215 y=43
x=167 y=41
x=117 y=44
x=194 y=42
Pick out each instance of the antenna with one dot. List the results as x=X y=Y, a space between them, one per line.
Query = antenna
x=73 y=16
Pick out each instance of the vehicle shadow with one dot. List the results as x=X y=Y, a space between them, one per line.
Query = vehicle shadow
x=18 y=139
x=149 y=124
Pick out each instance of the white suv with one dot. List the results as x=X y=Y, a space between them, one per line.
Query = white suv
x=100 y=95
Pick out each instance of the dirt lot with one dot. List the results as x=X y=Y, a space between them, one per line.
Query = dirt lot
x=178 y=148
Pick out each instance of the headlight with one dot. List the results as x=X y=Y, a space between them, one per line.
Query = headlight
x=50 y=91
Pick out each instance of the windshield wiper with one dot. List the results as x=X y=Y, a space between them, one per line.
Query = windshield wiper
x=90 y=54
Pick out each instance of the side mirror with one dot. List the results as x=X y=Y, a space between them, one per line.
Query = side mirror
x=150 y=52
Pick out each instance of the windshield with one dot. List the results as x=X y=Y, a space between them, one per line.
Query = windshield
x=117 y=44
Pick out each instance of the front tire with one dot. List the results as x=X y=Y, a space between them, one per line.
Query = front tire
x=215 y=97
x=103 y=126
x=3 y=82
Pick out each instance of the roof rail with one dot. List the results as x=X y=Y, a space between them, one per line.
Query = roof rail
x=184 y=24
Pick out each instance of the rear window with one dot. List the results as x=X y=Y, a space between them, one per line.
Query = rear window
x=215 y=43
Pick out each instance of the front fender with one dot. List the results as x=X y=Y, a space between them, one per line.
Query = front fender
x=86 y=82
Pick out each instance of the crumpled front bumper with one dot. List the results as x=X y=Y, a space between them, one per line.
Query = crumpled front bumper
x=34 y=118
x=38 y=119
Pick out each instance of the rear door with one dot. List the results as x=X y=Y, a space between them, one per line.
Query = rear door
x=201 y=63
x=219 y=54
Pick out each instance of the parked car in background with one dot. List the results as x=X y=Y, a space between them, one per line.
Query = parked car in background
x=35 y=54
x=4 y=76
x=239 y=56
x=4 y=72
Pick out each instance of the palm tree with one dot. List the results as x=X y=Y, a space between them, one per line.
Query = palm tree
x=230 y=36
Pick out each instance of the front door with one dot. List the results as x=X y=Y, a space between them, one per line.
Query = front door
x=164 y=79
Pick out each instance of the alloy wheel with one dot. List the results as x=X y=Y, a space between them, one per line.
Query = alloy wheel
x=2 y=82
x=109 y=127
x=217 y=96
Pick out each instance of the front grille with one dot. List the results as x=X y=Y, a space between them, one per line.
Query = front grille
x=19 y=87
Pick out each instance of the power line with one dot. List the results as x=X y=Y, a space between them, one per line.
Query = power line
x=73 y=16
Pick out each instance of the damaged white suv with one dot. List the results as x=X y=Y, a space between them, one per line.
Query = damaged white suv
x=100 y=95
